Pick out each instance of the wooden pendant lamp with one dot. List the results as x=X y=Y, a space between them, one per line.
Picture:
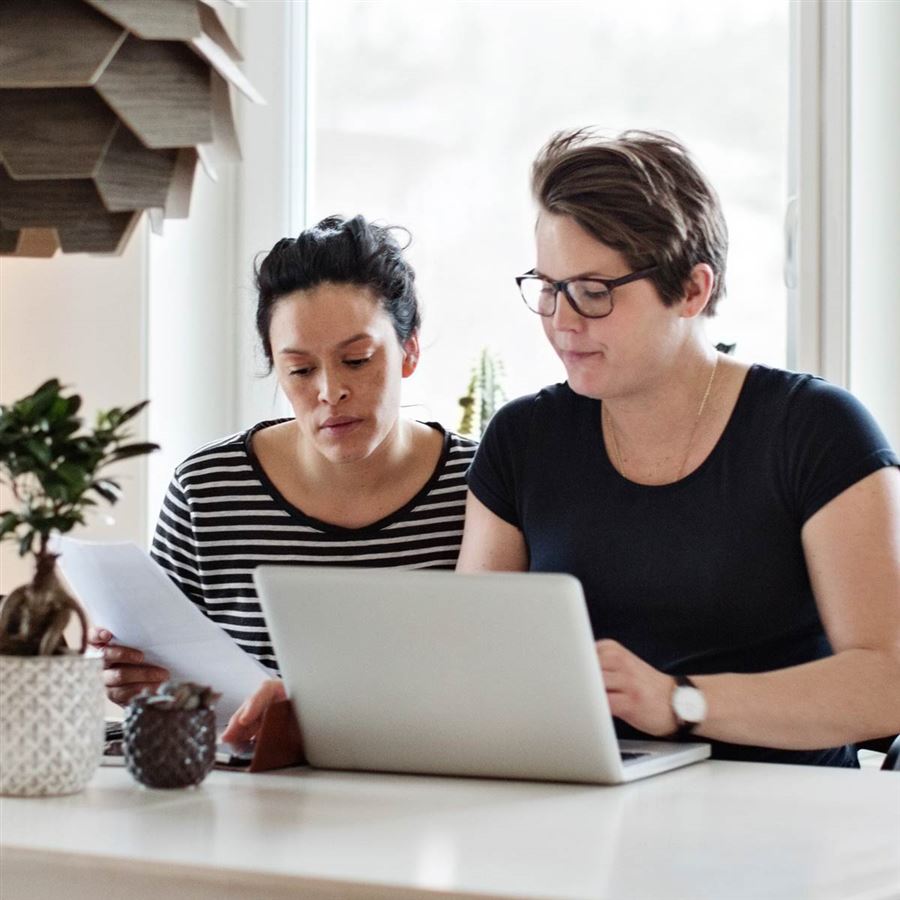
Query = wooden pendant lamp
x=106 y=106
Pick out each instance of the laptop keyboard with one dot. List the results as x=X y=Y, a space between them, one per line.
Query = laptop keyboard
x=629 y=754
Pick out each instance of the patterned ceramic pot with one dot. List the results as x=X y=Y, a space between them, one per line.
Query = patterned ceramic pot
x=51 y=723
x=168 y=748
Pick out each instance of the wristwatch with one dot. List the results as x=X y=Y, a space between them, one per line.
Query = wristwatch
x=689 y=706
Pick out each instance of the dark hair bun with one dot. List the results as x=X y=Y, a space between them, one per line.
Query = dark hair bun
x=341 y=251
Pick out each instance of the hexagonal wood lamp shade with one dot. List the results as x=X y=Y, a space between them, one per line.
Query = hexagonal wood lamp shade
x=105 y=108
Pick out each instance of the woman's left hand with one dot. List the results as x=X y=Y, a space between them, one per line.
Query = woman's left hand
x=638 y=694
x=244 y=725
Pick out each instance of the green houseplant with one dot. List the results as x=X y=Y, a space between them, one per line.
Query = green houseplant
x=51 y=696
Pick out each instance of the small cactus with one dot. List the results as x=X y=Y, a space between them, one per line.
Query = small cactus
x=484 y=395
x=169 y=738
x=187 y=695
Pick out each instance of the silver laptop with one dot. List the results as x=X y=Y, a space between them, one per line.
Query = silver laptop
x=427 y=672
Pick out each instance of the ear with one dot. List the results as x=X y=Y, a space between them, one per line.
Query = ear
x=410 y=354
x=698 y=289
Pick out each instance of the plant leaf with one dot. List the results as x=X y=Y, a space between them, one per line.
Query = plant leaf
x=132 y=450
x=39 y=450
x=25 y=543
x=9 y=523
x=107 y=493
x=132 y=411
x=72 y=474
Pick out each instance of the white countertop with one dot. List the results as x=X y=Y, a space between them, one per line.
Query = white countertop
x=716 y=830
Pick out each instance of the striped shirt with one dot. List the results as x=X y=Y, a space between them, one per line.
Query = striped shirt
x=222 y=517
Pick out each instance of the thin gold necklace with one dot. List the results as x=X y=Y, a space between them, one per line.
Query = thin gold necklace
x=615 y=441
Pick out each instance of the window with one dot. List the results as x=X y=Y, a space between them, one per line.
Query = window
x=428 y=116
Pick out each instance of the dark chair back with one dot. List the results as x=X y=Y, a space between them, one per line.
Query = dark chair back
x=892 y=760
x=887 y=745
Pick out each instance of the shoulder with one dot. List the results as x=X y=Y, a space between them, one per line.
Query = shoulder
x=551 y=401
x=809 y=404
x=524 y=428
x=773 y=384
x=825 y=438
x=769 y=388
x=457 y=448
x=513 y=445
x=226 y=452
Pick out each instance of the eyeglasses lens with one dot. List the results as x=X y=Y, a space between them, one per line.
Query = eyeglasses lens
x=591 y=297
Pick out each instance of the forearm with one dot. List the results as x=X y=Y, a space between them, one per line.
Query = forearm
x=851 y=696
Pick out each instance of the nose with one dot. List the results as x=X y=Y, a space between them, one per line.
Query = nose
x=331 y=387
x=564 y=317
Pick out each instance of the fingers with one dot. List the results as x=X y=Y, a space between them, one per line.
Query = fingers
x=269 y=692
x=124 y=682
x=113 y=654
x=123 y=676
x=615 y=664
x=615 y=681
x=124 y=695
x=117 y=655
x=124 y=672
x=637 y=693
x=619 y=705
x=236 y=732
x=252 y=709
x=612 y=654
x=245 y=723
x=99 y=637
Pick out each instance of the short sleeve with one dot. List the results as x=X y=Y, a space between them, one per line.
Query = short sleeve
x=174 y=547
x=832 y=441
x=496 y=474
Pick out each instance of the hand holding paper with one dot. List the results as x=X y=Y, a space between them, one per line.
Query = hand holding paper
x=125 y=591
x=126 y=673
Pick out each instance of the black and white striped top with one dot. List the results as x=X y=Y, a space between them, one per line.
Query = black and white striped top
x=222 y=517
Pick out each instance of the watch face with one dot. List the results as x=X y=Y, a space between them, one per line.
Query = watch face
x=689 y=704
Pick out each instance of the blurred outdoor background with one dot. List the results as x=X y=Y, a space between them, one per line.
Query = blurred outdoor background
x=428 y=115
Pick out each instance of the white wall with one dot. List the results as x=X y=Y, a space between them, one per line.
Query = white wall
x=172 y=318
x=875 y=211
x=191 y=331
x=83 y=320
x=270 y=183
x=205 y=367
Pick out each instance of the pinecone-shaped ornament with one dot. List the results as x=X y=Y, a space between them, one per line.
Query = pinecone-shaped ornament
x=169 y=738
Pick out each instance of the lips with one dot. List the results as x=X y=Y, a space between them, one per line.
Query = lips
x=338 y=425
x=574 y=356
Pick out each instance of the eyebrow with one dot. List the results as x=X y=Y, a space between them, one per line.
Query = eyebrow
x=596 y=275
x=294 y=351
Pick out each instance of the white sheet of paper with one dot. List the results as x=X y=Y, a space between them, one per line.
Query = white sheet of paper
x=126 y=592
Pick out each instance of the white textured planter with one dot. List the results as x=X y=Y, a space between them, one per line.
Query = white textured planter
x=51 y=723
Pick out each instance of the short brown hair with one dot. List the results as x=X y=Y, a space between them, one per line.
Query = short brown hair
x=641 y=194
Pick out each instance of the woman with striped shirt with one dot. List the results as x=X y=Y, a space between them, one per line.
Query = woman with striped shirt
x=346 y=481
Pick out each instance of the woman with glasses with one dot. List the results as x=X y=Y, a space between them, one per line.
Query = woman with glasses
x=346 y=480
x=736 y=528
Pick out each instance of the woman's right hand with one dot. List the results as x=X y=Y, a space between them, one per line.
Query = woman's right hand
x=125 y=673
x=244 y=725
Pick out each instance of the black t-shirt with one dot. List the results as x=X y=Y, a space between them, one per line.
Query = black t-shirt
x=707 y=574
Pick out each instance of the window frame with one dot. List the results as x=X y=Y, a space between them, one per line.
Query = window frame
x=818 y=205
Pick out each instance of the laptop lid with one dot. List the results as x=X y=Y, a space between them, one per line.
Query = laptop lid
x=431 y=672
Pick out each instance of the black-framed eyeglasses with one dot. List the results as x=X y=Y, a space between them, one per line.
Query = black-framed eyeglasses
x=589 y=297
